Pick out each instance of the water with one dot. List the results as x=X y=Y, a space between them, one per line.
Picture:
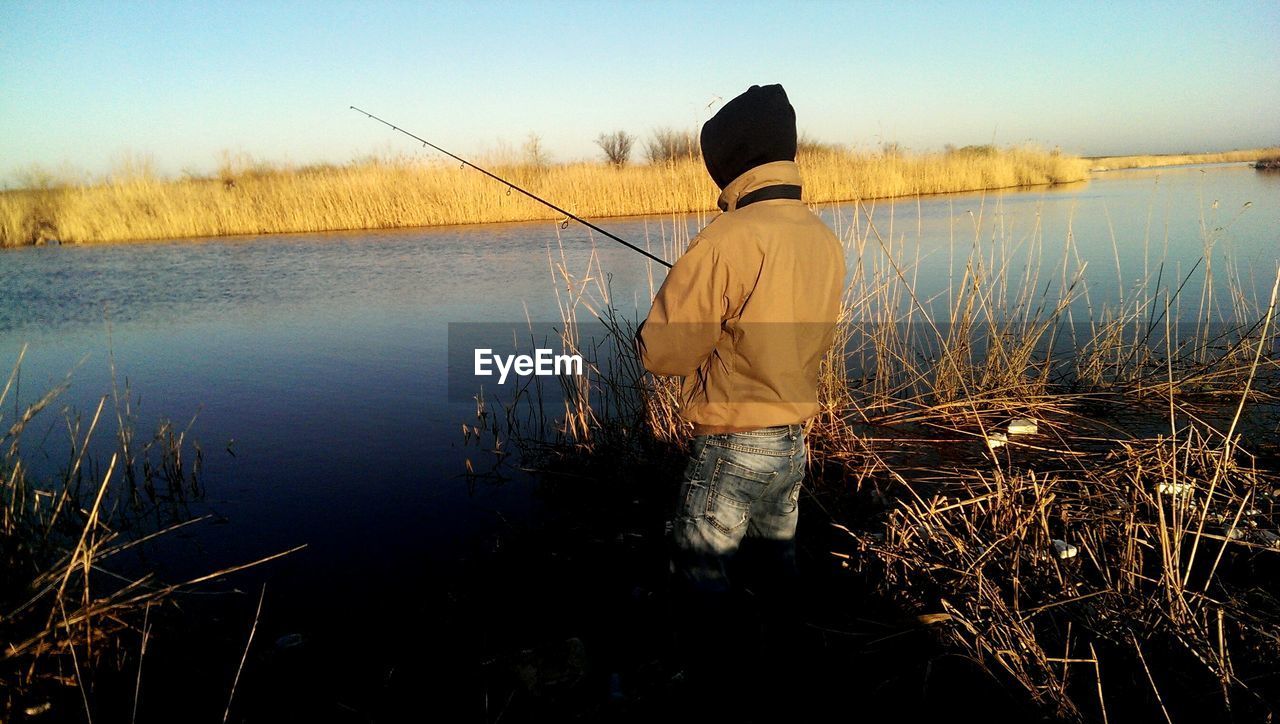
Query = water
x=314 y=364
x=1120 y=228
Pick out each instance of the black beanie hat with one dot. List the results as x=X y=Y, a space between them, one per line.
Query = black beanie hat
x=755 y=128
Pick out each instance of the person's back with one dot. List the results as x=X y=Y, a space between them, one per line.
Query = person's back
x=749 y=311
x=745 y=316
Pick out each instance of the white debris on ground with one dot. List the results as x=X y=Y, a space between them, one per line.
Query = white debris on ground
x=1023 y=426
x=1064 y=549
x=1174 y=488
x=996 y=439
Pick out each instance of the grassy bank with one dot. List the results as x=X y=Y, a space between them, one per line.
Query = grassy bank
x=1116 y=163
x=1113 y=565
x=411 y=192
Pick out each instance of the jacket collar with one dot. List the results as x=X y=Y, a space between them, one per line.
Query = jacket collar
x=768 y=174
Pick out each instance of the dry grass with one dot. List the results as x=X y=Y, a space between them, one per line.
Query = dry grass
x=832 y=175
x=1115 y=163
x=63 y=611
x=966 y=539
x=1141 y=464
x=403 y=192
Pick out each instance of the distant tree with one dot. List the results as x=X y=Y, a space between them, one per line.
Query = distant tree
x=669 y=145
x=616 y=147
x=534 y=153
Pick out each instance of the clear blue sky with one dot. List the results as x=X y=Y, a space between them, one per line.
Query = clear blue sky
x=82 y=83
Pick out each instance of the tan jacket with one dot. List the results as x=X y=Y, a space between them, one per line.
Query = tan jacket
x=748 y=312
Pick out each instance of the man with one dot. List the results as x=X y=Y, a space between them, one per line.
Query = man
x=745 y=316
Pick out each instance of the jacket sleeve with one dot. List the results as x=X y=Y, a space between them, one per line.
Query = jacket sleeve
x=683 y=325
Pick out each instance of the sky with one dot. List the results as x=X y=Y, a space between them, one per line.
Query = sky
x=86 y=85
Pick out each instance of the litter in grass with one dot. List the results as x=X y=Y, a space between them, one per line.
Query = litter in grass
x=1023 y=426
x=1064 y=549
x=1174 y=488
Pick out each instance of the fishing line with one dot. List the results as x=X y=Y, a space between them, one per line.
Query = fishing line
x=510 y=186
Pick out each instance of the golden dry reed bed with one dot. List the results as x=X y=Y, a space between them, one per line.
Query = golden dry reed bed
x=1117 y=564
x=1115 y=163
x=406 y=192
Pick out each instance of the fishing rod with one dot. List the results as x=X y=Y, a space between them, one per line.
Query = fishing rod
x=510 y=185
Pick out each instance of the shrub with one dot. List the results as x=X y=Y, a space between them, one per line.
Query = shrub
x=669 y=145
x=616 y=147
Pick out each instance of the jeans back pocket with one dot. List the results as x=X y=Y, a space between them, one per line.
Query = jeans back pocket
x=733 y=489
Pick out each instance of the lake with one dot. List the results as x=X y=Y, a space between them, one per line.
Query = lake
x=315 y=365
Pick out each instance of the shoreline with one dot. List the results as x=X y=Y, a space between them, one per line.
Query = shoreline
x=1121 y=163
x=712 y=212
x=407 y=193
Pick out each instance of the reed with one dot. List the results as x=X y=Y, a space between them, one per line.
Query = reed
x=64 y=611
x=1144 y=465
x=247 y=198
x=1116 y=163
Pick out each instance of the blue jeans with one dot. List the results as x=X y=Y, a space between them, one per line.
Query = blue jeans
x=736 y=486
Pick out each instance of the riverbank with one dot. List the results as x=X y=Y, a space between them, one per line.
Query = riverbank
x=1117 y=163
x=409 y=191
